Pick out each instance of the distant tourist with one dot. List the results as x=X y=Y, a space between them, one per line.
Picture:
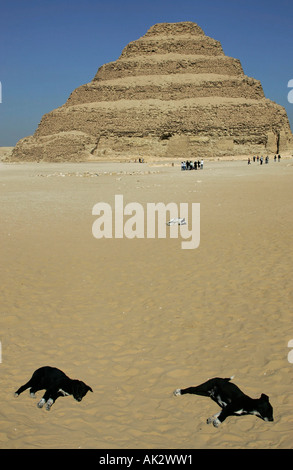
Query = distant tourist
x=279 y=158
x=201 y=164
x=248 y=161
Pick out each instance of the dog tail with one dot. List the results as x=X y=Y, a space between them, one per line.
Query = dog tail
x=230 y=378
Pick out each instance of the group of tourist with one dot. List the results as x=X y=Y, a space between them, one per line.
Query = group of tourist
x=188 y=165
x=260 y=160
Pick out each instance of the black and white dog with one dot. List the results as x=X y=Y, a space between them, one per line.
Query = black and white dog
x=56 y=384
x=231 y=399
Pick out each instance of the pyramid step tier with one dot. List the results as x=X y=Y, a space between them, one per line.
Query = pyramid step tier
x=213 y=116
x=169 y=64
x=183 y=45
x=168 y=88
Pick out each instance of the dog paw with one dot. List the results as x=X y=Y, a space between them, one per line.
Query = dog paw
x=216 y=422
x=41 y=403
x=177 y=392
x=16 y=394
x=49 y=404
x=32 y=395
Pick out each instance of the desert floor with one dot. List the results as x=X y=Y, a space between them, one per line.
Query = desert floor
x=137 y=318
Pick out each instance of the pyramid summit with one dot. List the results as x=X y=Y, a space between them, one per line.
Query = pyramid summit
x=173 y=93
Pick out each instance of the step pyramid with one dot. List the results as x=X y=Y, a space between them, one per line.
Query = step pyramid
x=172 y=93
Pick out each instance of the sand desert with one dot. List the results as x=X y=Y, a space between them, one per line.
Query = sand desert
x=137 y=318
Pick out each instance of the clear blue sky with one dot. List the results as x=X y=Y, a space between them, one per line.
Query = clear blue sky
x=50 y=47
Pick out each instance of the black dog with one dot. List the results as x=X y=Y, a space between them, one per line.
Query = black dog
x=231 y=399
x=56 y=384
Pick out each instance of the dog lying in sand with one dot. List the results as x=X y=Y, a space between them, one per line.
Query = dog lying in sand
x=56 y=384
x=231 y=399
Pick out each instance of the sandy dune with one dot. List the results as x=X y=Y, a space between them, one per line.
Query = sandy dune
x=138 y=318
